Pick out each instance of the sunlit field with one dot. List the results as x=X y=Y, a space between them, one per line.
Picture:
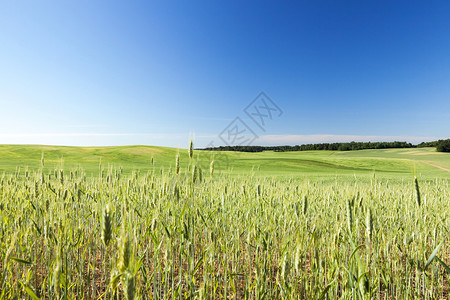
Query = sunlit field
x=189 y=229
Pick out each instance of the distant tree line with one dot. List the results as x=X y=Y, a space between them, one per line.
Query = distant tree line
x=441 y=145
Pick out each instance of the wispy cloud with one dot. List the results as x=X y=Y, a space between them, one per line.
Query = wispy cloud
x=179 y=139
x=88 y=126
x=285 y=139
x=91 y=138
x=71 y=134
x=101 y=139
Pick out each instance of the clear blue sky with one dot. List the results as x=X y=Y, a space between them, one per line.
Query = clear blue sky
x=127 y=72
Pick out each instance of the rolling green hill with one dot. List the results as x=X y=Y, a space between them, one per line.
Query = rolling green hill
x=387 y=162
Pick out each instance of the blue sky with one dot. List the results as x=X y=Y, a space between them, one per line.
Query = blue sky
x=158 y=73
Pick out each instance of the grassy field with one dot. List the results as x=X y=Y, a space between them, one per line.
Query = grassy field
x=391 y=162
x=294 y=225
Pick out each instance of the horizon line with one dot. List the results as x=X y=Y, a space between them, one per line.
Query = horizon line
x=263 y=141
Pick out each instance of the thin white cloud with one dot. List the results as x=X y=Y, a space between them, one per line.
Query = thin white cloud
x=91 y=139
x=101 y=139
x=24 y=135
x=285 y=139
x=36 y=135
x=181 y=140
x=88 y=126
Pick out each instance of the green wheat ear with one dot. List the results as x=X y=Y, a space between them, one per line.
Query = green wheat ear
x=107 y=226
x=129 y=285
x=349 y=216
x=191 y=149
x=305 y=205
x=194 y=174
x=211 y=168
x=416 y=183
x=57 y=272
x=61 y=176
x=124 y=252
x=200 y=175
x=177 y=165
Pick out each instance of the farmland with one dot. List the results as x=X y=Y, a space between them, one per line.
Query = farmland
x=136 y=222
x=394 y=163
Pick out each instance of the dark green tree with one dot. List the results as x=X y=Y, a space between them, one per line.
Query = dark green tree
x=443 y=146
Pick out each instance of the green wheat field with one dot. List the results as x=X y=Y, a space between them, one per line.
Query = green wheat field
x=142 y=222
